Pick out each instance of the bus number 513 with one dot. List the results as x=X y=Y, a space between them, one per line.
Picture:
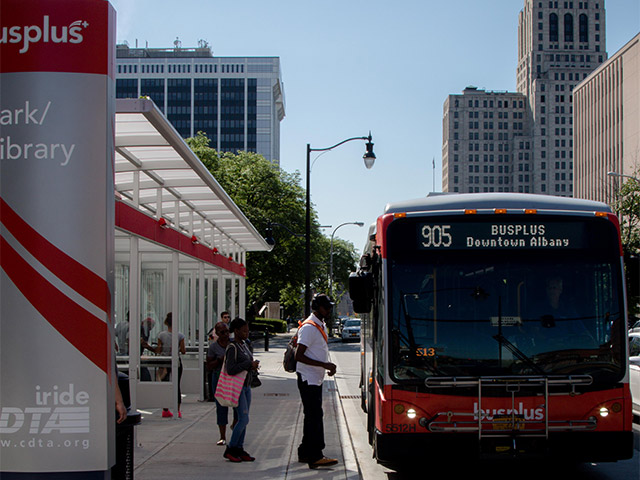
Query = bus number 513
x=436 y=236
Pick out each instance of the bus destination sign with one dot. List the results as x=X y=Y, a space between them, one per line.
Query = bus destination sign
x=496 y=236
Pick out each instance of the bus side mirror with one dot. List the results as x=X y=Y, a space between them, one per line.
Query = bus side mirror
x=361 y=291
x=632 y=270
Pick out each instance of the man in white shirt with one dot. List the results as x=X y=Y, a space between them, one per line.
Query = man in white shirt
x=312 y=355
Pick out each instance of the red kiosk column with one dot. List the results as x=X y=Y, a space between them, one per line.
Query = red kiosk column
x=57 y=408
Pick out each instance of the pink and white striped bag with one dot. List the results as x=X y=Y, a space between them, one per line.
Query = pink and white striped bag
x=229 y=387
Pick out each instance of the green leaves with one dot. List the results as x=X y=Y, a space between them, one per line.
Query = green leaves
x=628 y=208
x=266 y=194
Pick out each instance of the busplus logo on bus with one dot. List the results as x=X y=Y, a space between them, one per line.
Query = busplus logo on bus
x=25 y=35
x=520 y=411
x=498 y=236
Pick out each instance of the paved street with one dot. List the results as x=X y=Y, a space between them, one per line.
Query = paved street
x=169 y=449
x=186 y=448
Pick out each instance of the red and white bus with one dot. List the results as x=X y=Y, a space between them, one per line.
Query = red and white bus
x=495 y=324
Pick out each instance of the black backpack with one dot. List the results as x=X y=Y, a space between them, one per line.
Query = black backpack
x=289 y=362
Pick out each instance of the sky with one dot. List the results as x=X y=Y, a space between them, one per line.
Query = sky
x=350 y=67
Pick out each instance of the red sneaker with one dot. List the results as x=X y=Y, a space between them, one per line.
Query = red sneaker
x=232 y=455
x=166 y=414
x=245 y=457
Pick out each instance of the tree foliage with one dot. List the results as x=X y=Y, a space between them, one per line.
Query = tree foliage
x=268 y=195
x=628 y=208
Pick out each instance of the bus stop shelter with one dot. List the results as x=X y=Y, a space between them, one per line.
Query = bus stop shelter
x=180 y=247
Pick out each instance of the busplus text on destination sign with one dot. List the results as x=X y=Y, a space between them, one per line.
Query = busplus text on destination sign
x=517 y=236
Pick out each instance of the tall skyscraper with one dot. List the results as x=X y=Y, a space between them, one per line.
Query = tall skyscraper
x=237 y=101
x=559 y=44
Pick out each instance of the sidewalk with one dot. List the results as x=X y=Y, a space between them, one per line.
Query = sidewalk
x=186 y=448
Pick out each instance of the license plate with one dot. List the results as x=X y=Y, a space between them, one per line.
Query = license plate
x=508 y=423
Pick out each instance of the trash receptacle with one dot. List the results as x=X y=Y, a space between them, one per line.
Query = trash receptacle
x=123 y=469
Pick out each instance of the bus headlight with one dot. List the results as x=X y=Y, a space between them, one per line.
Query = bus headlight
x=604 y=412
x=411 y=413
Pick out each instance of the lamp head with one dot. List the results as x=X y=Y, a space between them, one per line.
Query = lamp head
x=369 y=157
x=269 y=235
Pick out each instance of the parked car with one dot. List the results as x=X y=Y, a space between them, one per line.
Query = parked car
x=351 y=330
x=634 y=370
x=337 y=325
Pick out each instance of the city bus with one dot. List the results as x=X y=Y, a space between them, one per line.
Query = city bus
x=494 y=325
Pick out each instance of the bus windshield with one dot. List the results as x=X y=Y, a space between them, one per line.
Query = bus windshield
x=506 y=312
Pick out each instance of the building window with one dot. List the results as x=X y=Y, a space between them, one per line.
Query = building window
x=553 y=27
x=127 y=88
x=153 y=88
x=568 y=27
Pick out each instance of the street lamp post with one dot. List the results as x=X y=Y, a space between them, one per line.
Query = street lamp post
x=369 y=158
x=270 y=239
x=360 y=224
x=622 y=175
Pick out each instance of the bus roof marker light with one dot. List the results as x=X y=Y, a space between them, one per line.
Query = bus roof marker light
x=399 y=215
x=500 y=211
x=470 y=211
x=530 y=211
x=602 y=214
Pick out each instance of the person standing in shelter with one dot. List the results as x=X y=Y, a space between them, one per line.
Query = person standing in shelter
x=225 y=317
x=164 y=348
x=312 y=356
x=122 y=336
x=215 y=357
x=238 y=358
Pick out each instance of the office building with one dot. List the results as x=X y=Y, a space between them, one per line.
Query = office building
x=559 y=44
x=480 y=129
x=237 y=101
x=607 y=125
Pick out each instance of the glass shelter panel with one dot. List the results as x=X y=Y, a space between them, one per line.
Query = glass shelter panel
x=121 y=312
x=153 y=311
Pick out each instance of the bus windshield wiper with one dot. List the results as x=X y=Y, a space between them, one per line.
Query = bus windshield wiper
x=519 y=354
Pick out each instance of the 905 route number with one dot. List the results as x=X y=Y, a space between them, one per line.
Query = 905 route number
x=436 y=236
